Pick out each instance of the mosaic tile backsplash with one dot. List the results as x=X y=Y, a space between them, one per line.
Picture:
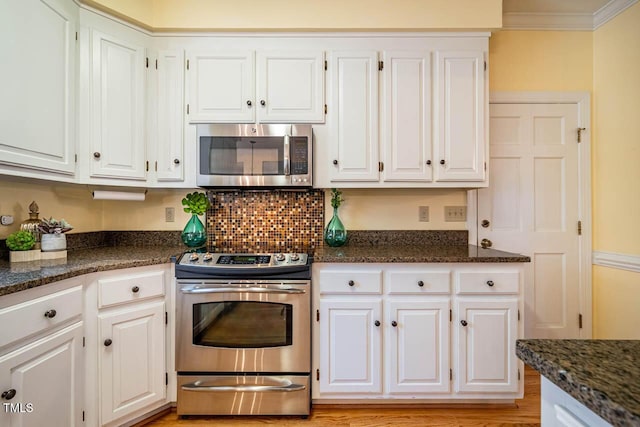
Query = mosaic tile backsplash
x=265 y=221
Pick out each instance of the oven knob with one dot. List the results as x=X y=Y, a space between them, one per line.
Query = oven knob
x=193 y=257
x=207 y=257
x=294 y=257
x=280 y=257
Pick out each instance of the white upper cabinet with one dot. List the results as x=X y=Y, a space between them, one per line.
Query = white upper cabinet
x=37 y=108
x=406 y=123
x=243 y=86
x=167 y=133
x=290 y=86
x=353 y=77
x=460 y=116
x=221 y=87
x=117 y=123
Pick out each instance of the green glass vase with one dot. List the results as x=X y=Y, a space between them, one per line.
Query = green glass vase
x=335 y=234
x=194 y=235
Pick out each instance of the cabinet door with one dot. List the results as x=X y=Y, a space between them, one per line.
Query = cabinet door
x=460 y=116
x=354 y=116
x=169 y=129
x=132 y=359
x=486 y=333
x=406 y=122
x=37 y=109
x=350 y=346
x=418 y=346
x=290 y=86
x=221 y=87
x=47 y=378
x=118 y=118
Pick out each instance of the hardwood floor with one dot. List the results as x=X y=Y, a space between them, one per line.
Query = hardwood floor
x=525 y=412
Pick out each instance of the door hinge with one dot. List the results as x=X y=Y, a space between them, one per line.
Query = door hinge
x=380 y=166
x=156 y=166
x=579 y=228
x=166 y=318
x=580 y=321
x=156 y=64
x=166 y=378
x=485 y=65
x=580 y=134
x=187 y=65
x=84 y=341
x=485 y=166
x=317 y=374
x=380 y=65
x=187 y=108
x=76 y=36
x=147 y=62
x=82 y=416
x=325 y=109
x=76 y=158
x=450 y=316
x=450 y=374
x=147 y=165
x=325 y=65
x=518 y=374
x=317 y=315
x=518 y=315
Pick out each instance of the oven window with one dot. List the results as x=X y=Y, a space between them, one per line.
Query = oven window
x=242 y=324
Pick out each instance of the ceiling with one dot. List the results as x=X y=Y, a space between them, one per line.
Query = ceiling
x=584 y=15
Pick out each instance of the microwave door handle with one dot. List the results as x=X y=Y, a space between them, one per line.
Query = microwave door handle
x=287 y=160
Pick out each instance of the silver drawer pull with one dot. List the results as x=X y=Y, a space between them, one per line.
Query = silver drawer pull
x=195 y=386
x=255 y=290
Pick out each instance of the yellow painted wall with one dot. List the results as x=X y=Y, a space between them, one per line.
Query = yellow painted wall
x=541 y=61
x=309 y=15
x=616 y=175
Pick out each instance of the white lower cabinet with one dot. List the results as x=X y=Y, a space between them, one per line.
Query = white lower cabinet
x=125 y=312
x=403 y=332
x=42 y=382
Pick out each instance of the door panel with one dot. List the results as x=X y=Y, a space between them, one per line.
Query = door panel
x=533 y=208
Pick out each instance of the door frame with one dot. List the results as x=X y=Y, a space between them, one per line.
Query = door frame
x=583 y=101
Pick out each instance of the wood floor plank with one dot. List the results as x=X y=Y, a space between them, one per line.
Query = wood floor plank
x=525 y=413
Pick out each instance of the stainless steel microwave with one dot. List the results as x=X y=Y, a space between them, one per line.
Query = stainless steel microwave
x=250 y=155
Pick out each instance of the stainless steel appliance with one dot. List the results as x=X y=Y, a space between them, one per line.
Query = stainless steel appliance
x=243 y=334
x=250 y=155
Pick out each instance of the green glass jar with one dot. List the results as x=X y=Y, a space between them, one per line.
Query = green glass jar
x=194 y=234
x=335 y=234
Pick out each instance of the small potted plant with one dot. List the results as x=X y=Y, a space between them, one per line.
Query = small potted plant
x=21 y=244
x=194 y=234
x=52 y=237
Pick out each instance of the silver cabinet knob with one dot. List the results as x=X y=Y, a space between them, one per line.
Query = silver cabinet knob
x=96 y=155
x=485 y=223
x=50 y=314
x=486 y=243
x=176 y=161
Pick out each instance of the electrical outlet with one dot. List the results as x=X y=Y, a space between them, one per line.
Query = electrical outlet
x=455 y=213
x=423 y=213
x=169 y=214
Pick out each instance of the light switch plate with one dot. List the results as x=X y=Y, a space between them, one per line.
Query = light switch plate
x=423 y=213
x=169 y=214
x=455 y=213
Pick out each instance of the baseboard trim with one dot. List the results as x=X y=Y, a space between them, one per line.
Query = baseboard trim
x=619 y=261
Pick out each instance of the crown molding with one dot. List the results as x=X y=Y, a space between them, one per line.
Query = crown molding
x=610 y=10
x=565 y=21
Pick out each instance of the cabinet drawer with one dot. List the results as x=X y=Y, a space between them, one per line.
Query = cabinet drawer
x=38 y=315
x=130 y=288
x=488 y=282
x=348 y=282
x=419 y=282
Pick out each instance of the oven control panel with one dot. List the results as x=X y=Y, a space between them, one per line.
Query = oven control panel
x=217 y=260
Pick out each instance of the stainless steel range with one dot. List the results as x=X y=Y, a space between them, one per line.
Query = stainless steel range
x=243 y=334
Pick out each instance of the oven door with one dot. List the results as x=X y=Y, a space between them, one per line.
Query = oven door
x=243 y=326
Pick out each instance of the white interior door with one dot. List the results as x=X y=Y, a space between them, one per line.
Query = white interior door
x=532 y=207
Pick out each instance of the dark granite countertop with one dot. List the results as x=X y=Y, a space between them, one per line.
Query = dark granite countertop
x=414 y=253
x=604 y=375
x=19 y=276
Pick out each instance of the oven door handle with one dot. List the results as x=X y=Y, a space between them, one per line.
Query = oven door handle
x=195 y=386
x=255 y=290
